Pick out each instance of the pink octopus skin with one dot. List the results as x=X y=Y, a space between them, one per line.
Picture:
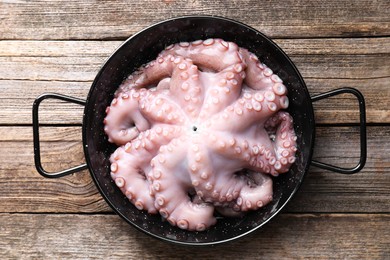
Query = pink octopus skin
x=199 y=129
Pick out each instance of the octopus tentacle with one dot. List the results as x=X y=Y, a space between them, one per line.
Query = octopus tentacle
x=209 y=55
x=128 y=173
x=225 y=87
x=149 y=75
x=223 y=90
x=259 y=152
x=186 y=87
x=245 y=150
x=172 y=190
x=177 y=75
x=210 y=186
x=158 y=107
x=285 y=140
x=258 y=75
x=227 y=188
x=251 y=107
x=252 y=198
x=124 y=120
x=131 y=169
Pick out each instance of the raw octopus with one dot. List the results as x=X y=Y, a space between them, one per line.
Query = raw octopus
x=201 y=129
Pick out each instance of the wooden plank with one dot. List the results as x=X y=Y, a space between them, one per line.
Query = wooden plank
x=322 y=46
x=335 y=46
x=33 y=67
x=344 y=108
x=119 y=19
x=288 y=236
x=80 y=60
x=17 y=98
x=22 y=189
x=325 y=191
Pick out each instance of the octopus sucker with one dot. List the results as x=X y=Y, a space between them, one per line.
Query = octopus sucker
x=200 y=129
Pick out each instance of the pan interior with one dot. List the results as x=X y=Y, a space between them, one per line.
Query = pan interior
x=144 y=47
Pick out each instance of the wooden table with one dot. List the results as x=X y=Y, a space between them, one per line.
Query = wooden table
x=58 y=46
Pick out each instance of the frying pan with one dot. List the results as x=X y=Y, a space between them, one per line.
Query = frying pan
x=144 y=47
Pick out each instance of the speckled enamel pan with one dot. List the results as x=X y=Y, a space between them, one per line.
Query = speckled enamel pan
x=143 y=47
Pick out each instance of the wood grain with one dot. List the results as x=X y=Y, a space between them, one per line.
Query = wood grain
x=289 y=236
x=22 y=189
x=68 y=67
x=325 y=191
x=118 y=19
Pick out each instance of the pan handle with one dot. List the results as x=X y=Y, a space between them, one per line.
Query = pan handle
x=363 y=137
x=37 y=153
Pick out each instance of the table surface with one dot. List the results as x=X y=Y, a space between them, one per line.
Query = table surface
x=58 y=46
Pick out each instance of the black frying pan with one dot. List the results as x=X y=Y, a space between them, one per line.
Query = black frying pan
x=143 y=47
